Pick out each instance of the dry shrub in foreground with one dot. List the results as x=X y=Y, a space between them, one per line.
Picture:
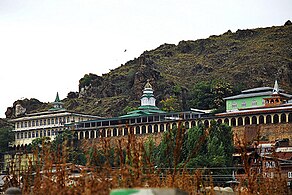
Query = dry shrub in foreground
x=125 y=163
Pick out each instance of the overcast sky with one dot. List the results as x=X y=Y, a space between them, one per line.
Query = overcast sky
x=48 y=45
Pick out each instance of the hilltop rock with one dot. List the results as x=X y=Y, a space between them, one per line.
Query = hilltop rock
x=21 y=107
x=245 y=59
x=288 y=23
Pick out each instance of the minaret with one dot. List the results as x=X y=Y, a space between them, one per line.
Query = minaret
x=277 y=98
x=57 y=104
x=148 y=99
x=276 y=88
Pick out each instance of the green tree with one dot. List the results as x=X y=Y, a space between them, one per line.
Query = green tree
x=201 y=96
x=200 y=147
x=220 y=144
x=170 y=104
x=6 y=137
x=210 y=94
x=39 y=143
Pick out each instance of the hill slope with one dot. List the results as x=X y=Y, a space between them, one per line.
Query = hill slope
x=244 y=59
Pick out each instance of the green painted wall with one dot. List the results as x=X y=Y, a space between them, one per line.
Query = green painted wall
x=248 y=103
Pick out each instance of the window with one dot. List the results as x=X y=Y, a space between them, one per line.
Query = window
x=32 y=134
x=49 y=132
x=29 y=123
x=17 y=125
x=36 y=123
x=234 y=105
x=33 y=123
x=29 y=134
x=49 y=121
x=45 y=133
x=289 y=175
x=243 y=104
x=21 y=124
x=21 y=135
x=45 y=121
x=36 y=134
x=25 y=134
x=17 y=135
x=254 y=103
x=41 y=122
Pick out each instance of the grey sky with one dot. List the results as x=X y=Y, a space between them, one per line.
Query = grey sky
x=48 y=45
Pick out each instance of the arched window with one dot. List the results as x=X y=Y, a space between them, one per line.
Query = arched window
x=143 y=129
x=97 y=133
x=86 y=134
x=137 y=130
x=115 y=132
x=149 y=128
x=161 y=127
x=81 y=135
x=261 y=119
x=174 y=125
x=167 y=127
x=254 y=120
x=247 y=120
x=103 y=133
x=283 y=118
x=108 y=133
x=125 y=131
x=92 y=134
x=219 y=121
x=240 y=121
x=187 y=125
x=226 y=121
x=268 y=119
x=276 y=119
x=155 y=128
x=131 y=130
x=193 y=124
x=206 y=123
x=233 y=122
x=290 y=118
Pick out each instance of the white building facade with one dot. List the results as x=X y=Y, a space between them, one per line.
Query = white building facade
x=45 y=124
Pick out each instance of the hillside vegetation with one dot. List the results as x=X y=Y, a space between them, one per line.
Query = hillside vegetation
x=214 y=67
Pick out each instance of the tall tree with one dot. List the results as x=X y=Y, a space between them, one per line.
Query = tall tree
x=6 y=137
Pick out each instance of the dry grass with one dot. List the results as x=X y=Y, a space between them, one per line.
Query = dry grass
x=52 y=174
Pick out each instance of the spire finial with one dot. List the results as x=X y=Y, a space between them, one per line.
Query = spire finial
x=276 y=88
x=148 y=85
x=57 y=98
x=57 y=104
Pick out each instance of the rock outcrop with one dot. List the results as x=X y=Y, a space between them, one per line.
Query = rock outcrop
x=245 y=59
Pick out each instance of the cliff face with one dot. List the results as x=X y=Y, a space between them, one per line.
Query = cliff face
x=246 y=58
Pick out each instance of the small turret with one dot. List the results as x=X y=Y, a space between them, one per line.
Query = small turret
x=148 y=98
x=57 y=104
x=276 y=88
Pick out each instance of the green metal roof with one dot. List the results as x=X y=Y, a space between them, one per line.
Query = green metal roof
x=143 y=111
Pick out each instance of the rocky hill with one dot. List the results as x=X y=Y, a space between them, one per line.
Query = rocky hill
x=242 y=59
